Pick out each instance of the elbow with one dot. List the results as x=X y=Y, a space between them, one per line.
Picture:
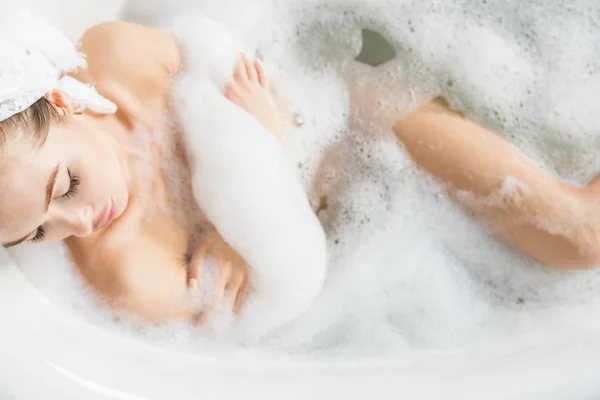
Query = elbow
x=312 y=272
x=288 y=279
x=307 y=277
x=294 y=284
x=582 y=261
x=286 y=292
x=574 y=255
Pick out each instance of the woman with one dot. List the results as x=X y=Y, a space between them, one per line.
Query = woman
x=86 y=179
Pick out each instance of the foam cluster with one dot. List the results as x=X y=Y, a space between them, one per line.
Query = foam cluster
x=245 y=183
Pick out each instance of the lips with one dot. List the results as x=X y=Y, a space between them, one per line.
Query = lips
x=106 y=217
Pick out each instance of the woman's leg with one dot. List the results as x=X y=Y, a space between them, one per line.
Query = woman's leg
x=551 y=221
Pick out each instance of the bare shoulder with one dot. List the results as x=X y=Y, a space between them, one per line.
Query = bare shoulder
x=129 y=63
x=131 y=41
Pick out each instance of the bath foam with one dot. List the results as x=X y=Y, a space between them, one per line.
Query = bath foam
x=485 y=60
x=246 y=185
x=408 y=270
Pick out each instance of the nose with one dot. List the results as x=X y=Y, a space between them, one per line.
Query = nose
x=79 y=223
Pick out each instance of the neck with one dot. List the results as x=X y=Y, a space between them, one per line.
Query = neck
x=117 y=135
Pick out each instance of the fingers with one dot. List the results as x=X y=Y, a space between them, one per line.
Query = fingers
x=195 y=267
x=193 y=284
x=234 y=286
x=232 y=93
x=262 y=76
x=250 y=68
x=218 y=293
x=250 y=71
x=218 y=274
x=241 y=296
x=220 y=288
x=240 y=75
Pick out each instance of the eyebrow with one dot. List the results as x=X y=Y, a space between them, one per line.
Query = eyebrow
x=50 y=186
x=49 y=191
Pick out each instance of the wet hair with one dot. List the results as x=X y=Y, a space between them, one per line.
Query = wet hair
x=31 y=124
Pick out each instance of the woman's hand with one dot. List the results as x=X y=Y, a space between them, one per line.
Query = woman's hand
x=251 y=89
x=231 y=274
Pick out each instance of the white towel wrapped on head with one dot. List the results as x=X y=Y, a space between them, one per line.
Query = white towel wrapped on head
x=33 y=57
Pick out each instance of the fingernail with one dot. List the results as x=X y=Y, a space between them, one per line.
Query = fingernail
x=193 y=284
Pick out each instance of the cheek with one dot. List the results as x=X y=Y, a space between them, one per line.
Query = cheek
x=99 y=168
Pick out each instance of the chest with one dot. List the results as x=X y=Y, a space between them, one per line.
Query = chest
x=161 y=208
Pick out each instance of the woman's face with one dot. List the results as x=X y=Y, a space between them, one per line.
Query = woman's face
x=72 y=185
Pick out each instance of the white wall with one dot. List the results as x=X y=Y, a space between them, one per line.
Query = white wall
x=74 y=16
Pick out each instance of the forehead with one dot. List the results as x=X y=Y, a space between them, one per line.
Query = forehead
x=23 y=178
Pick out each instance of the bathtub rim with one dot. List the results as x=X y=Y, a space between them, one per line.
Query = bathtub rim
x=562 y=367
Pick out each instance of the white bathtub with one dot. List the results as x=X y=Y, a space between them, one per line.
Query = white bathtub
x=46 y=353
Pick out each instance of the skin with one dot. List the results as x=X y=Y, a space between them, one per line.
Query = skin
x=136 y=263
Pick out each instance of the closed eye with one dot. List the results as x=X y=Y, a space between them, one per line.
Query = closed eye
x=74 y=182
x=73 y=186
x=39 y=235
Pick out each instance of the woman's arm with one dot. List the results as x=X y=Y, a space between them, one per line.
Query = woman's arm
x=245 y=182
